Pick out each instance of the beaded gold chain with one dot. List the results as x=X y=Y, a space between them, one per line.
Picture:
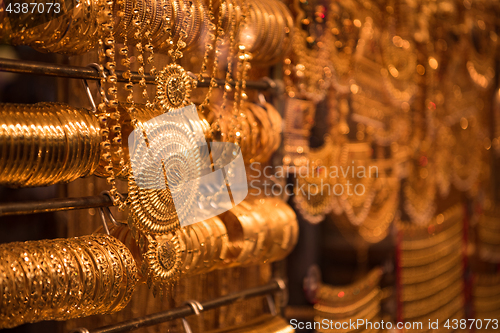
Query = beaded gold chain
x=107 y=56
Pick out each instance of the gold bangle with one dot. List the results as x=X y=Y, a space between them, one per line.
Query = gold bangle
x=265 y=139
x=205 y=246
x=242 y=235
x=186 y=238
x=196 y=246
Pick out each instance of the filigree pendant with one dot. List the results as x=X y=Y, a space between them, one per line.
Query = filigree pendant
x=173 y=88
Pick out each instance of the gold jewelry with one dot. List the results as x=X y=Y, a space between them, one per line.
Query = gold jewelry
x=383 y=212
x=438 y=231
x=314 y=205
x=349 y=310
x=340 y=295
x=56 y=143
x=64 y=278
x=174 y=87
x=481 y=47
x=299 y=119
x=313 y=71
x=108 y=108
x=424 y=257
x=162 y=262
x=426 y=306
x=413 y=292
x=173 y=84
x=453 y=309
x=488 y=234
x=153 y=208
x=368 y=314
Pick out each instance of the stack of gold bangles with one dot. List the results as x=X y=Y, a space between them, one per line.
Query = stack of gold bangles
x=46 y=143
x=268 y=32
x=194 y=249
x=254 y=232
x=164 y=20
x=74 y=28
x=486 y=296
x=64 y=278
x=260 y=127
x=60 y=27
x=360 y=300
x=261 y=230
x=431 y=268
x=77 y=31
x=488 y=232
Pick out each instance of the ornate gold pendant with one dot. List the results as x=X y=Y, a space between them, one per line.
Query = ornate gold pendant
x=173 y=88
x=162 y=262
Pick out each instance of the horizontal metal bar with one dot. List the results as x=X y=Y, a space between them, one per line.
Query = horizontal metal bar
x=186 y=310
x=54 y=205
x=88 y=73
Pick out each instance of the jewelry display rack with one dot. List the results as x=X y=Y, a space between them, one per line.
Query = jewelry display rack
x=277 y=285
x=54 y=205
x=192 y=308
x=90 y=73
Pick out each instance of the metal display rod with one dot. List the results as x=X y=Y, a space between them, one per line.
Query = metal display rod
x=191 y=308
x=89 y=73
x=54 y=205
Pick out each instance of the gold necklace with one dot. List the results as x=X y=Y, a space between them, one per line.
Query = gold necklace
x=376 y=225
x=419 y=192
x=346 y=32
x=107 y=57
x=162 y=262
x=482 y=46
x=174 y=85
x=467 y=151
x=213 y=43
x=313 y=72
x=153 y=210
x=313 y=206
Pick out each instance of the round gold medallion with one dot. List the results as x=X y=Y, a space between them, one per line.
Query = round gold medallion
x=162 y=262
x=173 y=87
